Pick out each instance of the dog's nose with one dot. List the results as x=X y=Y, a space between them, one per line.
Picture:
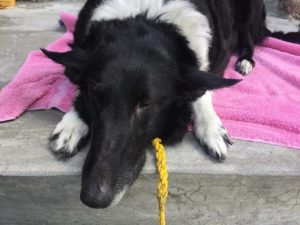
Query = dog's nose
x=96 y=199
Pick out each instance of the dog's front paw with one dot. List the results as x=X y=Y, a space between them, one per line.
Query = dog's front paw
x=215 y=140
x=68 y=136
x=244 y=66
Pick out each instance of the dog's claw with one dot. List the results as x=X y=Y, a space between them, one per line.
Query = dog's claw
x=62 y=152
x=216 y=143
x=227 y=138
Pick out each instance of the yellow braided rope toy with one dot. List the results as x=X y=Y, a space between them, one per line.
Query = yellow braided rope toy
x=162 y=186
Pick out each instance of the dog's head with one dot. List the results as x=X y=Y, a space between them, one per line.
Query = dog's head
x=135 y=84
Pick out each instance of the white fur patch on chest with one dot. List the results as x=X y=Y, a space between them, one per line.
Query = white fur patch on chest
x=192 y=24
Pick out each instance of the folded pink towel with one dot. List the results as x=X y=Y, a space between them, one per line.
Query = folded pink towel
x=40 y=83
x=264 y=107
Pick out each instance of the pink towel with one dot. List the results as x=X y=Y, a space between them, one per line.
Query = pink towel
x=265 y=107
x=40 y=83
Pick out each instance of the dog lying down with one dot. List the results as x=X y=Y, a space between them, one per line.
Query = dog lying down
x=146 y=69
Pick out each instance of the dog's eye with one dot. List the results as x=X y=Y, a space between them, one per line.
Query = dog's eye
x=142 y=105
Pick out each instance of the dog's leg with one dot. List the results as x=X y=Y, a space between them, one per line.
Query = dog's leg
x=245 y=62
x=249 y=23
x=208 y=128
x=69 y=134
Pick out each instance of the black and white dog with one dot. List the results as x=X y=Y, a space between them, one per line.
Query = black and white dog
x=145 y=69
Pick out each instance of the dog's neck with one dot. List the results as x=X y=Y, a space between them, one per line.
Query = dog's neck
x=193 y=25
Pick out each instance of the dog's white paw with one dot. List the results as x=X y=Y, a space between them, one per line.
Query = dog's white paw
x=68 y=134
x=244 y=67
x=209 y=129
x=214 y=138
x=212 y=135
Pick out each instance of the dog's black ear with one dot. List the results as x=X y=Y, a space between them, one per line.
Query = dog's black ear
x=75 y=58
x=74 y=62
x=197 y=82
x=200 y=80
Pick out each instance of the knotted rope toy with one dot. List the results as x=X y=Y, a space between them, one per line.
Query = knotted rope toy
x=162 y=186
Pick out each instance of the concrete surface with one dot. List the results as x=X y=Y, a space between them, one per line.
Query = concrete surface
x=24 y=153
x=193 y=200
x=258 y=184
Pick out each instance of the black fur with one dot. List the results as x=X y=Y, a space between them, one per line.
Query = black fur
x=137 y=79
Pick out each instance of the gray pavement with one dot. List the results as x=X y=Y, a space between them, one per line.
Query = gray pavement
x=193 y=200
x=258 y=184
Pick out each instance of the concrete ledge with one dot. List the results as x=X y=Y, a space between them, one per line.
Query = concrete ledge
x=193 y=199
x=23 y=152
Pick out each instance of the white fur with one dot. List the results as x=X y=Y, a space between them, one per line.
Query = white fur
x=208 y=127
x=118 y=197
x=193 y=25
x=71 y=129
x=244 y=67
